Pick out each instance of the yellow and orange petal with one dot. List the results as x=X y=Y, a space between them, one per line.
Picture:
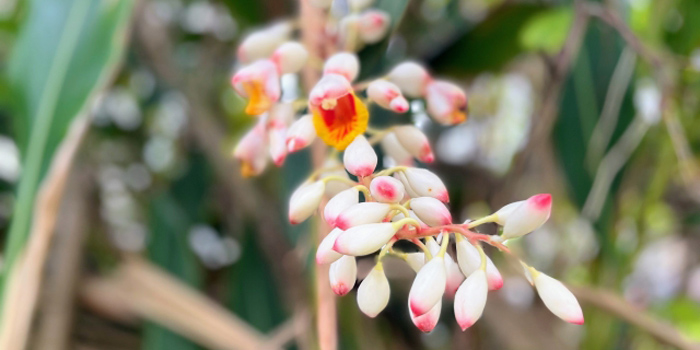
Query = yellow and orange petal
x=258 y=102
x=340 y=124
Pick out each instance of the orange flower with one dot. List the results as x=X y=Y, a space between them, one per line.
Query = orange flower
x=259 y=83
x=338 y=115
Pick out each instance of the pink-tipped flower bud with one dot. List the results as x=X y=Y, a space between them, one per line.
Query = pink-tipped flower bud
x=341 y=201
x=431 y=211
x=528 y=216
x=328 y=90
x=362 y=213
x=470 y=299
x=342 y=275
x=305 y=200
x=392 y=147
x=415 y=142
x=387 y=95
x=387 y=189
x=260 y=84
x=280 y=116
x=301 y=133
x=364 y=239
x=343 y=63
x=469 y=260
x=558 y=299
x=325 y=253
x=446 y=102
x=373 y=26
x=374 y=292
x=290 y=57
x=423 y=183
x=359 y=158
x=411 y=78
x=428 y=286
x=262 y=44
x=251 y=150
x=429 y=320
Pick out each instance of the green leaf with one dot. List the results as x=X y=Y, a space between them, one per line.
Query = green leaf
x=547 y=31
x=373 y=58
x=65 y=52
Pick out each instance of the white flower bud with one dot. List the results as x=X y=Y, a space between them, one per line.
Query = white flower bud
x=343 y=63
x=262 y=44
x=503 y=213
x=470 y=299
x=392 y=148
x=411 y=78
x=415 y=261
x=424 y=184
x=304 y=201
x=431 y=211
x=429 y=320
x=342 y=275
x=341 y=201
x=362 y=213
x=251 y=151
x=359 y=158
x=386 y=189
x=364 y=239
x=325 y=253
x=374 y=292
x=454 y=276
x=415 y=142
x=387 y=95
x=558 y=299
x=406 y=185
x=281 y=115
x=446 y=102
x=469 y=260
x=301 y=133
x=428 y=287
x=290 y=57
x=328 y=90
x=373 y=26
x=528 y=216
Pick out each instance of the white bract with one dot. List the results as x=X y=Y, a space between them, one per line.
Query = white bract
x=374 y=292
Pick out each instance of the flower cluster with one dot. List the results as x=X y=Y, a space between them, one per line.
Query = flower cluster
x=336 y=109
x=404 y=202
x=408 y=203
